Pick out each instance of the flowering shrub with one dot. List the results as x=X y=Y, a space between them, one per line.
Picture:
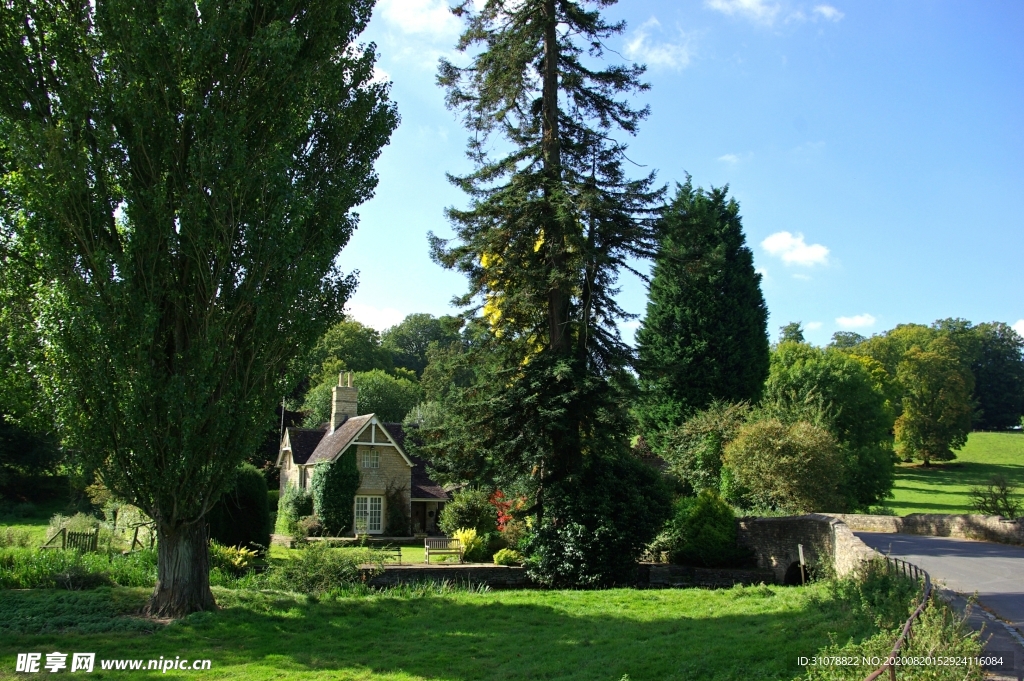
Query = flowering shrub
x=508 y=557
x=473 y=546
x=231 y=559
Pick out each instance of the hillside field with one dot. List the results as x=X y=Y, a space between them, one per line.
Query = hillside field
x=943 y=487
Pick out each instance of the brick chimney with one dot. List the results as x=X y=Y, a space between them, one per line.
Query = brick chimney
x=344 y=402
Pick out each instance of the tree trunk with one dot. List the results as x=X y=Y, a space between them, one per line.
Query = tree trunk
x=183 y=571
x=558 y=294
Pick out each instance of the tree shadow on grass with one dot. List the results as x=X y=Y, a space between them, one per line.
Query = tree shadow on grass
x=646 y=634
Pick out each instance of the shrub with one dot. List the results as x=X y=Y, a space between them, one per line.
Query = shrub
x=80 y=522
x=319 y=569
x=694 y=450
x=272 y=498
x=469 y=508
x=508 y=557
x=474 y=548
x=996 y=499
x=515 y=533
x=295 y=503
x=232 y=560
x=791 y=467
x=309 y=526
x=240 y=517
x=704 y=532
x=334 y=491
x=887 y=598
x=597 y=523
x=13 y=537
x=396 y=502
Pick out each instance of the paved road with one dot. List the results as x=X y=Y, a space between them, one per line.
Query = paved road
x=994 y=571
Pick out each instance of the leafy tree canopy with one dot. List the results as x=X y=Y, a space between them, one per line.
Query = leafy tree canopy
x=356 y=346
x=380 y=393
x=791 y=333
x=853 y=406
x=937 y=404
x=177 y=178
x=409 y=341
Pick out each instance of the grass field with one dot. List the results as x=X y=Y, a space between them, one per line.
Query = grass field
x=740 y=633
x=943 y=487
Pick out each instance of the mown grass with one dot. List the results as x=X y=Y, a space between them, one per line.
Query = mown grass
x=740 y=633
x=944 y=487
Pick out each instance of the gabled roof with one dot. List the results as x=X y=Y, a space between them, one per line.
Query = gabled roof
x=344 y=435
x=302 y=441
x=422 y=486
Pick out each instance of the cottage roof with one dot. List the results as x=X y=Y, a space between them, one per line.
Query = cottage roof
x=422 y=486
x=334 y=443
x=303 y=442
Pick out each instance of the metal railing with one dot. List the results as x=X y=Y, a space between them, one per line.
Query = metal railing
x=917 y=574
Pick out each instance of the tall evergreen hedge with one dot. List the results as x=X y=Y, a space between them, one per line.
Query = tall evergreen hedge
x=704 y=336
x=241 y=516
x=334 y=490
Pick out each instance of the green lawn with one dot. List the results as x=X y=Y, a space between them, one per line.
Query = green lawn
x=740 y=633
x=943 y=487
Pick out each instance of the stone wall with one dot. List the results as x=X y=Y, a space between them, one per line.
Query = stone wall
x=985 y=527
x=494 y=576
x=827 y=543
x=659 y=575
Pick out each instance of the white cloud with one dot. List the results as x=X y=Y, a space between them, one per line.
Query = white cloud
x=641 y=48
x=378 y=318
x=380 y=75
x=763 y=271
x=431 y=17
x=813 y=326
x=828 y=12
x=802 y=277
x=1019 y=327
x=794 y=250
x=754 y=10
x=859 y=321
x=731 y=159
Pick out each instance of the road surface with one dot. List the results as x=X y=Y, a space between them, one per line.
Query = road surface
x=995 y=572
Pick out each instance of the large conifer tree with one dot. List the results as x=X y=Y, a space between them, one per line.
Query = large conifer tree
x=704 y=337
x=550 y=225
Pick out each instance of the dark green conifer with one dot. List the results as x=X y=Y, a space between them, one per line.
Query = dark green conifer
x=704 y=337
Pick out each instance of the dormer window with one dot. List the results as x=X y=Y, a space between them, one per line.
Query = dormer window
x=371 y=458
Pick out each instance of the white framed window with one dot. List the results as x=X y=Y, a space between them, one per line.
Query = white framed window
x=371 y=458
x=369 y=511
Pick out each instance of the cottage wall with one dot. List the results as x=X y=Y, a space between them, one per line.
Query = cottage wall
x=393 y=472
x=289 y=472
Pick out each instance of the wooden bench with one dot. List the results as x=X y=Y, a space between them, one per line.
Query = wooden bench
x=441 y=546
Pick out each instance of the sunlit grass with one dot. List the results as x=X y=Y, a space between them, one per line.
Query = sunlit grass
x=944 y=487
x=740 y=633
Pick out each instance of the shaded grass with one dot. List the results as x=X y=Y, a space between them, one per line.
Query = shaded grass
x=944 y=487
x=740 y=633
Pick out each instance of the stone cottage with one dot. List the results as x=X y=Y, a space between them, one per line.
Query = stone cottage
x=385 y=468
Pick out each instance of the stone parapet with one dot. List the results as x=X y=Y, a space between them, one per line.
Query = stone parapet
x=827 y=543
x=963 y=526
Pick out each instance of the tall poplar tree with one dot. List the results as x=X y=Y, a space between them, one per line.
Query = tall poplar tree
x=551 y=223
x=704 y=337
x=176 y=180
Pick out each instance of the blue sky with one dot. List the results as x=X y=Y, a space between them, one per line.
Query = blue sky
x=876 y=150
